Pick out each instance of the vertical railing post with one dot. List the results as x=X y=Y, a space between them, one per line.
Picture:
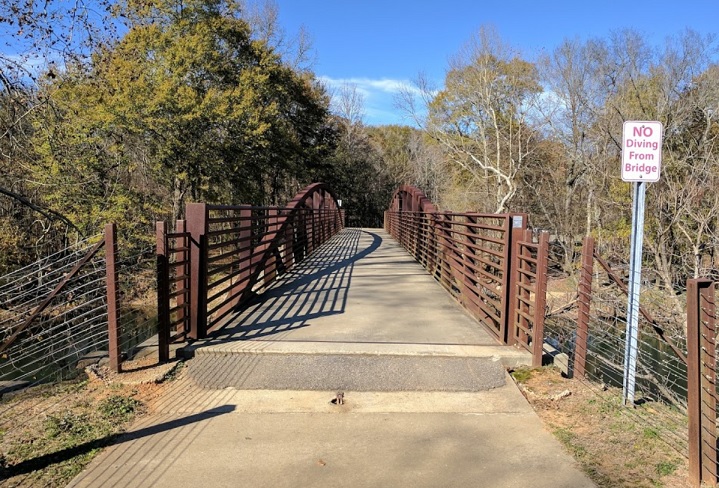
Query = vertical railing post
x=163 y=292
x=290 y=243
x=270 y=270
x=196 y=214
x=585 y=299
x=431 y=219
x=316 y=220
x=701 y=381
x=112 y=290
x=540 y=299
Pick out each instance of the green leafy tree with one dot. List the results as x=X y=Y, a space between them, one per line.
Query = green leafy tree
x=187 y=105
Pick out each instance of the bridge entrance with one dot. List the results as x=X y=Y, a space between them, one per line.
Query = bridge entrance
x=233 y=275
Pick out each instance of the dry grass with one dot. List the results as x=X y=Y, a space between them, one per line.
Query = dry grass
x=48 y=434
x=610 y=442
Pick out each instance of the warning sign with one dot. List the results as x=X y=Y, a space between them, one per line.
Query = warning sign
x=641 y=151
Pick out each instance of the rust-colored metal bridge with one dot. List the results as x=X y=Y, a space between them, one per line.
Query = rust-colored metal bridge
x=217 y=263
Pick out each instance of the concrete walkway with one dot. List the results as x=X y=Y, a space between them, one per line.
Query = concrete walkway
x=427 y=402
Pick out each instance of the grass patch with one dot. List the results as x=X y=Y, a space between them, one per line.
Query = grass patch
x=616 y=446
x=665 y=468
x=119 y=408
x=50 y=433
x=523 y=374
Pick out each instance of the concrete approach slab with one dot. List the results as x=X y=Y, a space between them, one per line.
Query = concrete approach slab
x=345 y=372
x=277 y=439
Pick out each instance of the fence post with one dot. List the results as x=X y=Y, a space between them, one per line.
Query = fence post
x=163 y=293
x=112 y=290
x=585 y=298
x=701 y=381
x=196 y=215
x=520 y=296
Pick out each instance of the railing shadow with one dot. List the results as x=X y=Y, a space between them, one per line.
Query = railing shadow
x=61 y=456
x=317 y=287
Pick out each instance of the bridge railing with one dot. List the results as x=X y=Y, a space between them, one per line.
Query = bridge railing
x=235 y=252
x=488 y=262
x=702 y=382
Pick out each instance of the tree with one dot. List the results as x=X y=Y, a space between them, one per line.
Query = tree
x=482 y=118
x=185 y=106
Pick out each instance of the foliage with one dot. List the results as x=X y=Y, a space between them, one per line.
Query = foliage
x=129 y=117
x=188 y=104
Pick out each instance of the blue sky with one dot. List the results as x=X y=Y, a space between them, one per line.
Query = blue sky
x=378 y=45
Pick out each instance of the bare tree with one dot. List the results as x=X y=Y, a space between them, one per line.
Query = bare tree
x=482 y=117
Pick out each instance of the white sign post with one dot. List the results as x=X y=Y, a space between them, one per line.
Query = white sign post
x=641 y=163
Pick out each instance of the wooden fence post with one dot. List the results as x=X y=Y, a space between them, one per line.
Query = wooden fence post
x=112 y=289
x=584 y=297
x=701 y=381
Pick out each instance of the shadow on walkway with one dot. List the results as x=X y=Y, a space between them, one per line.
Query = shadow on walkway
x=64 y=455
x=315 y=288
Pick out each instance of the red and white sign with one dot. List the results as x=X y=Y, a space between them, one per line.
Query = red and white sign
x=641 y=151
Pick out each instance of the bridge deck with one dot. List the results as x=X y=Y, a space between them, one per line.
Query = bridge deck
x=359 y=293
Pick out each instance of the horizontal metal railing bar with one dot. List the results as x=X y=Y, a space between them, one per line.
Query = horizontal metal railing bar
x=219 y=257
x=484 y=306
x=527 y=257
x=177 y=336
x=178 y=264
x=184 y=306
x=180 y=292
x=215 y=207
x=526 y=301
x=178 y=278
x=224 y=289
x=234 y=230
x=256 y=253
x=525 y=273
x=498 y=254
x=482 y=272
x=525 y=315
x=442 y=216
x=480 y=237
x=185 y=249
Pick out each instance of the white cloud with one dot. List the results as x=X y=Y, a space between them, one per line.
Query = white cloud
x=379 y=97
x=369 y=87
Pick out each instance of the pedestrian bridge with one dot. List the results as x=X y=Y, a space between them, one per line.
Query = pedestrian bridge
x=294 y=279
x=324 y=355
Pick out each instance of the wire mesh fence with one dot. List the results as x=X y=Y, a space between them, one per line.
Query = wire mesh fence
x=50 y=316
x=54 y=313
x=587 y=318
